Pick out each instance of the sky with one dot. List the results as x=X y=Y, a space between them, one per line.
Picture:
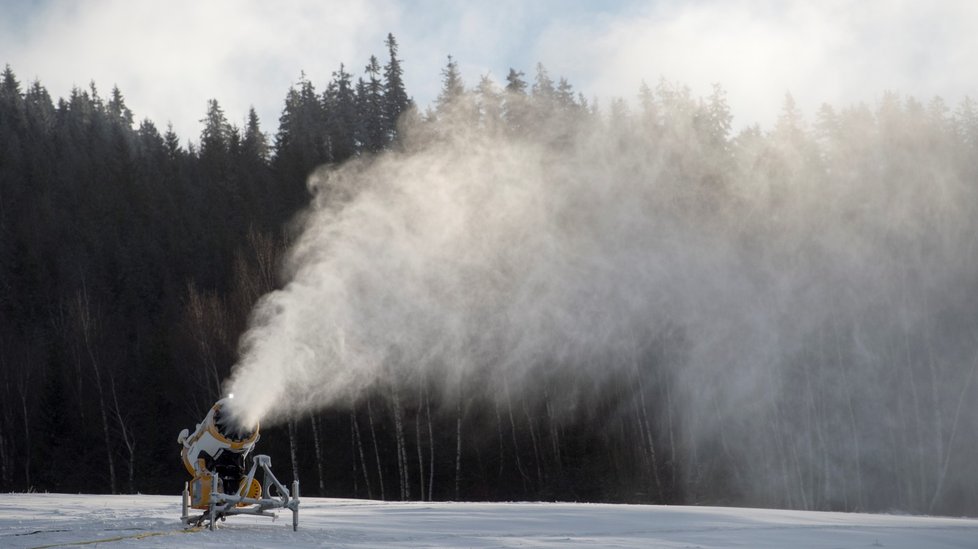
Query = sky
x=169 y=58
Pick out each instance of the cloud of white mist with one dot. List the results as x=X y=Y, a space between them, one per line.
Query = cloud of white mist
x=836 y=51
x=796 y=283
x=477 y=250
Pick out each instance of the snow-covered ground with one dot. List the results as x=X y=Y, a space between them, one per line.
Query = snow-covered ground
x=60 y=520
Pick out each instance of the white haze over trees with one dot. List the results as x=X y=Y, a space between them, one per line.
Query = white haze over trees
x=785 y=316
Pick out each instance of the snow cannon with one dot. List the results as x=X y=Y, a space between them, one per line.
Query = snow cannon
x=217 y=448
x=215 y=456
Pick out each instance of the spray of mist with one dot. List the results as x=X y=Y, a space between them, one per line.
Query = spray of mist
x=808 y=295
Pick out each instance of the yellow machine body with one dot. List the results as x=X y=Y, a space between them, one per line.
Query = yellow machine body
x=209 y=443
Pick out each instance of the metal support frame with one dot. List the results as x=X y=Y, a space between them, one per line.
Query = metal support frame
x=221 y=506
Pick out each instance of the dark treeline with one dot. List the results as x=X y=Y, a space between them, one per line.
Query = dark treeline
x=129 y=265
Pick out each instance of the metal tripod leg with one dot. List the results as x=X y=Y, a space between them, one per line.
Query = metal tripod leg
x=185 y=508
x=295 y=506
x=212 y=506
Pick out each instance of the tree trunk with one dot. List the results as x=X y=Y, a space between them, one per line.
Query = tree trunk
x=105 y=431
x=205 y=315
x=319 y=455
x=853 y=426
x=502 y=446
x=815 y=423
x=27 y=438
x=417 y=437
x=431 y=445
x=4 y=472
x=554 y=431
x=458 y=443
x=127 y=439
x=775 y=423
x=533 y=441
x=402 y=462
x=647 y=431
x=373 y=436
x=63 y=325
x=88 y=326
x=937 y=404
x=918 y=425
x=355 y=472
x=358 y=442
x=516 y=446
x=671 y=432
x=6 y=426
x=954 y=431
x=293 y=448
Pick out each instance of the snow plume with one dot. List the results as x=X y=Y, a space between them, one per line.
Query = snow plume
x=796 y=308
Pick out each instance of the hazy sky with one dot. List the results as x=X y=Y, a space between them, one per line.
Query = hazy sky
x=169 y=57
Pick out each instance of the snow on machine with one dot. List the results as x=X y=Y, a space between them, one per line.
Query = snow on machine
x=214 y=455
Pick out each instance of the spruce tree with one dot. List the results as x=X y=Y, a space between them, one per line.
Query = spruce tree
x=515 y=82
x=564 y=96
x=372 y=115
x=171 y=143
x=516 y=108
x=117 y=108
x=719 y=119
x=38 y=107
x=301 y=144
x=396 y=99
x=543 y=86
x=339 y=102
x=490 y=103
x=215 y=141
x=452 y=86
x=255 y=142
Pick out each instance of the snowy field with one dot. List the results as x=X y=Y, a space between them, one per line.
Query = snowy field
x=59 y=520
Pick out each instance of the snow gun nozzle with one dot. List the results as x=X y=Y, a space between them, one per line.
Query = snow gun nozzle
x=230 y=425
